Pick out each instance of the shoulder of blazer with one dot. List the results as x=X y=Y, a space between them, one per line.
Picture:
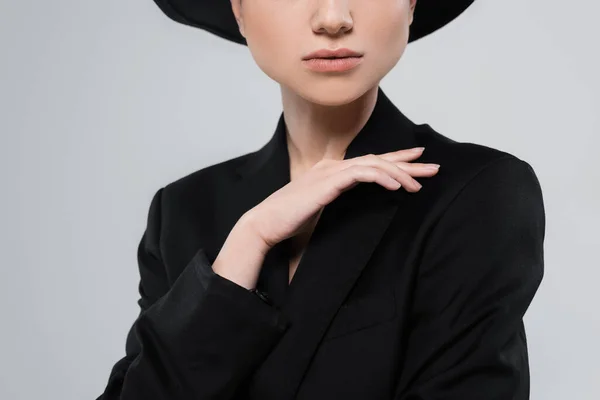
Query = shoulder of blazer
x=462 y=157
x=460 y=163
x=207 y=179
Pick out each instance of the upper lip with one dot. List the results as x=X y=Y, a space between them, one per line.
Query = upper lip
x=338 y=53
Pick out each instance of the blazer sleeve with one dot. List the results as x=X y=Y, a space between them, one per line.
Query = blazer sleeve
x=197 y=338
x=479 y=271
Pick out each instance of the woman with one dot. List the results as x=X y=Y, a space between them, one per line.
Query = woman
x=317 y=267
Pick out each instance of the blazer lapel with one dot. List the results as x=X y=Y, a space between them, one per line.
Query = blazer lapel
x=339 y=248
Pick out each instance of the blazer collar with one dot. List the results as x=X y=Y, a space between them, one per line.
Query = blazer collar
x=339 y=248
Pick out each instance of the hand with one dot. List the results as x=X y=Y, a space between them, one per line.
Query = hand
x=290 y=209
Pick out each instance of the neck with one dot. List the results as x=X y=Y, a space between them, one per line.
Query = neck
x=316 y=132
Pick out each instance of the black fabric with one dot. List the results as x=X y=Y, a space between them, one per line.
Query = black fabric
x=404 y=296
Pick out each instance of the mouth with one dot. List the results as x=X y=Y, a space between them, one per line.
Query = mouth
x=331 y=58
x=327 y=54
x=332 y=64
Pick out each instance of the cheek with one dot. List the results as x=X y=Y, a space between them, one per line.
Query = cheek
x=389 y=34
x=271 y=42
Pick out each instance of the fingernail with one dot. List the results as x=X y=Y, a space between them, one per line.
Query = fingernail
x=418 y=149
x=433 y=166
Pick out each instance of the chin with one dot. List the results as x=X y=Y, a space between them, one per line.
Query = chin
x=332 y=92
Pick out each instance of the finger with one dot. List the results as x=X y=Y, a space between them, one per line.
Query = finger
x=404 y=177
x=354 y=174
x=403 y=154
x=419 y=169
x=388 y=167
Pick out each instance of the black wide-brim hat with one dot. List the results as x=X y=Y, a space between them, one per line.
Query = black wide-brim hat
x=216 y=16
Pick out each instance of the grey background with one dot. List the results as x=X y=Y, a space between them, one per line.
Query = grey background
x=104 y=102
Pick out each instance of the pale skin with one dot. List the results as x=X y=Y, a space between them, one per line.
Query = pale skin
x=323 y=112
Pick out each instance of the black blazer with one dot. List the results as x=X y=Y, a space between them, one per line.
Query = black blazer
x=405 y=296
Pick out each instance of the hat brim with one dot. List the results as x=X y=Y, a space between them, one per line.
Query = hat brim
x=216 y=16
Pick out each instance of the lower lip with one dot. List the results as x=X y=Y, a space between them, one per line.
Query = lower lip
x=332 y=64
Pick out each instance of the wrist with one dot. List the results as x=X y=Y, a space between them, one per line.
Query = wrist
x=241 y=257
x=247 y=226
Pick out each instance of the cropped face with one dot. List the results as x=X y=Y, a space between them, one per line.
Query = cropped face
x=282 y=34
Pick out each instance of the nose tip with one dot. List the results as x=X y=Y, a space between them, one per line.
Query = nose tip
x=336 y=28
x=334 y=19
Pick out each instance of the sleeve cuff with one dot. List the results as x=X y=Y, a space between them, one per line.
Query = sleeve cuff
x=248 y=302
